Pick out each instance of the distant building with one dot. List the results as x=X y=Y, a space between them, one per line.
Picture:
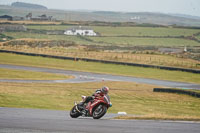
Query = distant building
x=83 y=31
x=17 y=18
x=135 y=18
x=11 y=18
x=29 y=16
x=43 y=17
x=6 y=17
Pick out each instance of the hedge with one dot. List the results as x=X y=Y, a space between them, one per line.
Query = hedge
x=178 y=91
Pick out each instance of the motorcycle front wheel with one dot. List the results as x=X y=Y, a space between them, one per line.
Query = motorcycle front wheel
x=99 y=111
x=74 y=113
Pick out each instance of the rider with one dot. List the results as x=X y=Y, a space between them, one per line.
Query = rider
x=98 y=93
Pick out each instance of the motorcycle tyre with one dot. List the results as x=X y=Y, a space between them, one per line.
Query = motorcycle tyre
x=101 y=114
x=74 y=114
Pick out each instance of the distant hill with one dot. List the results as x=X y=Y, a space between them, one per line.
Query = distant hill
x=152 y=18
x=104 y=16
x=27 y=5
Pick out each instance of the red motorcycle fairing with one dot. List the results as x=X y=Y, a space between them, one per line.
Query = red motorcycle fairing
x=95 y=103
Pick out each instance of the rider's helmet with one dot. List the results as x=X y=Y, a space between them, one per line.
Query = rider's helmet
x=105 y=90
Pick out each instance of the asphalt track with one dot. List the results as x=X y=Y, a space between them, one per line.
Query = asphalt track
x=94 y=77
x=15 y=120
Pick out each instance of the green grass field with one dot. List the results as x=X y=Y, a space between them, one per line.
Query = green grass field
x=144 y=31
x=132 y=41
x=99 y=68
x=137 y=36
x=137 y=41
x=126 y=31
x=24 y=35
x=198 y=37
x=18 y=35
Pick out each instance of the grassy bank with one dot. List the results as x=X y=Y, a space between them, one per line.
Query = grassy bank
x=99 y=68
x=136 y=99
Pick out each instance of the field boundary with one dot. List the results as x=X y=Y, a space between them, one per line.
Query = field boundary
x=105 y=61
x=178 y=91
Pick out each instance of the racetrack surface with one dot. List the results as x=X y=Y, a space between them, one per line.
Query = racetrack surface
x=95 y=77
x=16 y=120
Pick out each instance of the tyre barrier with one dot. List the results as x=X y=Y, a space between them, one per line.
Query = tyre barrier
x=178 y=91
x=105 y=61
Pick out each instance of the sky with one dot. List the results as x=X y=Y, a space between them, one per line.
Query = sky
x=189 y=7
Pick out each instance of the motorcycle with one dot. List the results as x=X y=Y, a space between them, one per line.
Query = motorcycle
x=95 y=108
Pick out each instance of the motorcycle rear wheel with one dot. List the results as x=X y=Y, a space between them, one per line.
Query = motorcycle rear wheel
x=74 y=113
x=99 y=111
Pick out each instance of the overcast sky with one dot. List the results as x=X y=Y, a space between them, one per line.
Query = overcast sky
x=190 y=7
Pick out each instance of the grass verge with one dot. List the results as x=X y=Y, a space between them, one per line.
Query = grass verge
x=6 y=58
x=158 y=117
x=30 y=75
